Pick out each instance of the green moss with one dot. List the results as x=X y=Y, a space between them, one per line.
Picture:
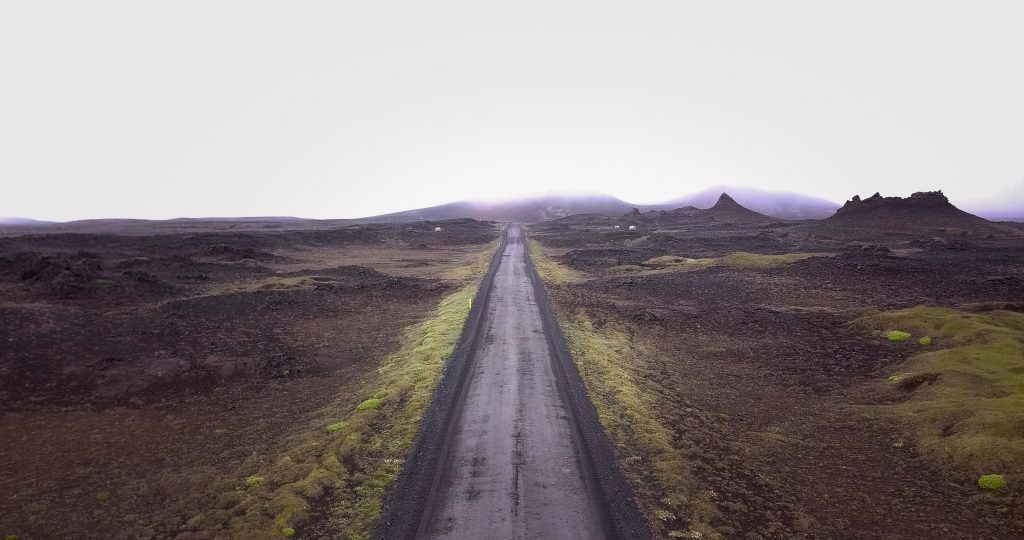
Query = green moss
x=925 y=341
x=550 y=270
x=253 y=481
x=964 y=403
x=370 y=404
x=11 y=537
x=992 y=481
x=337 y=426
x=896 y=335
x=739 y=259
x=288 y=532
x=380 y=394
x=467 y=269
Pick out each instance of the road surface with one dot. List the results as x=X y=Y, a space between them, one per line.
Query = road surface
x=514 y=466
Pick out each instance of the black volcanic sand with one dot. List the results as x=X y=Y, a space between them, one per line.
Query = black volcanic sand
x=758 y=369
x=136 y=369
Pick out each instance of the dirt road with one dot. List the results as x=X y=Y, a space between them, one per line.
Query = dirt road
x=514 y=467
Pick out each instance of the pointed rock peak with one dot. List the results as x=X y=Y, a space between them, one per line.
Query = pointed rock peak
x=727 y=209
x=937 y=196
x=725 y=201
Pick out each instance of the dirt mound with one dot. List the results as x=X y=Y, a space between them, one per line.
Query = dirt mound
x=727 y=210
x=353 y=277
x=59 y=274
x=606 y=257
x=929 y=210
x=227 y=253
x=79 y=275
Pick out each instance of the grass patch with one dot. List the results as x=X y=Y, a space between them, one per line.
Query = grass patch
x=549 y=270
x=469 y=268
x=628 y=408
x=352 y=460
x=740 y=259
x=896 y=335
x=287 y=532
x=337 y=426
x=899 y=377
x=964 y=402
x=629 y=414
x=371 y=404
x=992 y=481
x=925 y=341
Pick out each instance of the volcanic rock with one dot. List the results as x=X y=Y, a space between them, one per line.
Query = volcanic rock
x=923 y=210
x=727 y=210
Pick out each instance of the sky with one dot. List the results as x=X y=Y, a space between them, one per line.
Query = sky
x=347 y=109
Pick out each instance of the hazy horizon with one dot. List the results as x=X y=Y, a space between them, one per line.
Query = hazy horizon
x=326 y=110
x=751 y=197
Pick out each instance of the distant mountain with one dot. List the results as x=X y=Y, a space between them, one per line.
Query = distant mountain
x=243 y=218
x=527 y=210
x=21 y=221
x=778 y=204
x=1006 y=204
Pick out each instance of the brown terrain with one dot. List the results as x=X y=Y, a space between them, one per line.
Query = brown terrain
x=783 y=416
x=145 y=378
x=267 y=378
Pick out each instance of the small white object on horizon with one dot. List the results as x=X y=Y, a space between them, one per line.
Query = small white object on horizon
x=437 y=229
x=616 y=226
x=632 y=227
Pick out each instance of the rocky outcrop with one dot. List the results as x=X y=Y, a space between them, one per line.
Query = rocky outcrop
x=922 y=210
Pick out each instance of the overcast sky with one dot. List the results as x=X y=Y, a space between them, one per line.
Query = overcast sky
x=345 y=109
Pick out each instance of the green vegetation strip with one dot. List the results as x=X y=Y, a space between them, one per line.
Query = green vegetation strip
x=739 y=259
x=963 y=395
x=550 y=270
x=353 y=458
x=609 y=361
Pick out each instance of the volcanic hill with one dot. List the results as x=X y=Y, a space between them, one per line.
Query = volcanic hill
x=727 y=210
x=928 y=210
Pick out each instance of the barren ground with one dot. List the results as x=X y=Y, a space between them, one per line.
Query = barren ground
x=777 y=405
x=143 y=378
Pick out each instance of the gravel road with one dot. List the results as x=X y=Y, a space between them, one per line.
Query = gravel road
x=514 y=467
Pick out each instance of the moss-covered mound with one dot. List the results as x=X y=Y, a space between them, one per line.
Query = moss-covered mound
x=964 y=398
